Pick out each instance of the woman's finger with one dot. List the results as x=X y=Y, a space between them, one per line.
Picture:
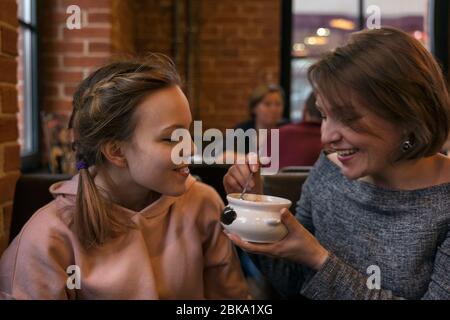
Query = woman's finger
x=238 y=172
x=232 y=185
x=253 y=161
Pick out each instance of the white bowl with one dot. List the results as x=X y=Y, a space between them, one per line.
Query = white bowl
x=256 y=218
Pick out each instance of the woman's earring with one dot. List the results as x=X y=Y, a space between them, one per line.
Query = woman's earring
x=406 y=145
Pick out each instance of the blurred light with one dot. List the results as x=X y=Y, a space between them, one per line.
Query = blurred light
x=343 y=24
x=323 y=32
x=418 y=34
x=316 y=41
x=299 y=47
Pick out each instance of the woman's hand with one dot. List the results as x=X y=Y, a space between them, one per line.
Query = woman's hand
x=236 y=177
x=299 y=245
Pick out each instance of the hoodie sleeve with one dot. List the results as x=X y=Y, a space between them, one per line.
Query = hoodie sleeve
x=34 y=266
x=223 y=277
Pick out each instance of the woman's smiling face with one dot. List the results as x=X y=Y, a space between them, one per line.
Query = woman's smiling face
x=365 y=147
x=148 y=154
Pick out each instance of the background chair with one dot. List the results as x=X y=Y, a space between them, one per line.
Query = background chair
x=295 y=169
x=286 y=185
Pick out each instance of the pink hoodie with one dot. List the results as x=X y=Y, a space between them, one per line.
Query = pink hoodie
x=177 y=251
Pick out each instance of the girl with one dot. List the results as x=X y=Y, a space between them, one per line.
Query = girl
x=131 y=224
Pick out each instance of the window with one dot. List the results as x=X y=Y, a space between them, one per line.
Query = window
x=320 y=25
x=28 y=93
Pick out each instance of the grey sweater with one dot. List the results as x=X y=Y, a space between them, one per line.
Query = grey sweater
x=404 y=235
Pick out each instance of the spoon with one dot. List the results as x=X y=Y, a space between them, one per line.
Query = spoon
x=246 y=186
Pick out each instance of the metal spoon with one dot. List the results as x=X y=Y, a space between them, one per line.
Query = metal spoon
x=246 y=185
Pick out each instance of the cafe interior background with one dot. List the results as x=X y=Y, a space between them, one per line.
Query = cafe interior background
x=223 y=49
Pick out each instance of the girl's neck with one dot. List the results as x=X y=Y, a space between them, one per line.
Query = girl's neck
x=413 y=174
x=118 y=186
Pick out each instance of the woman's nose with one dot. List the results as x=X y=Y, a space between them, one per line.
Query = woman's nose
x=330 y=132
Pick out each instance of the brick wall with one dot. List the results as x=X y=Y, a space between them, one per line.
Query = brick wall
x=67 y=56
x=237 y=46
x=9 y=148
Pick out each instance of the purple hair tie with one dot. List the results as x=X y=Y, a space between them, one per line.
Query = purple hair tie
x=82 y=165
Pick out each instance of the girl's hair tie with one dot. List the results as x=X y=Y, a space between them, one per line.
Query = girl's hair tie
x=82 y=165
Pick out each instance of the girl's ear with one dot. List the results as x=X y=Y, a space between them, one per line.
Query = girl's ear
x=113 y=152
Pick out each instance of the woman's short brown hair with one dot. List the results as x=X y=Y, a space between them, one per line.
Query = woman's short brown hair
x=392 y=75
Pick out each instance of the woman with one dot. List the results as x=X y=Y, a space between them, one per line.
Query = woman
x=266 y=108
x=373 y=218
x=266 y=111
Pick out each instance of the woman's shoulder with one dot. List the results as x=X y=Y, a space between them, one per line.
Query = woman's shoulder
x=250 y=124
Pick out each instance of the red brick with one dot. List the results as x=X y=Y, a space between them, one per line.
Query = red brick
x=57 y=105
x=8 y=12
x=87 y=4
x=87 y=33
x=12 y=158
x=64 y=76
x=62 y=47
x=99 y=18
x=69 y=90
x=7 y=186
x=8 y=129
x=8 y=67
x=9 y=41
x=8 y=99
x=85 y=61
x=100 y=47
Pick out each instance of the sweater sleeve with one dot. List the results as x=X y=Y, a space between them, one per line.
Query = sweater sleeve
x=338 y=280
x=34 y=266
x=223 y=277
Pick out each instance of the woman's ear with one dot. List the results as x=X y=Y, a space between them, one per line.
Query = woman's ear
x=113 y=152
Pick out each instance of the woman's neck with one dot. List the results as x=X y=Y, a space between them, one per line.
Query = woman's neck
x=413 y=174
x=122 y=190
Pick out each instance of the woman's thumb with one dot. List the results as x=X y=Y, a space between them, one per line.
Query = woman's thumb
x=288 y=219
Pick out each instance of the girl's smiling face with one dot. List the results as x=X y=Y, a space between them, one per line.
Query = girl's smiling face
x=148 y=154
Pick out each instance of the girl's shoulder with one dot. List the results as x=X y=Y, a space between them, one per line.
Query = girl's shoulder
x=203 y=193
x=200 y=202
x=49 y=223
